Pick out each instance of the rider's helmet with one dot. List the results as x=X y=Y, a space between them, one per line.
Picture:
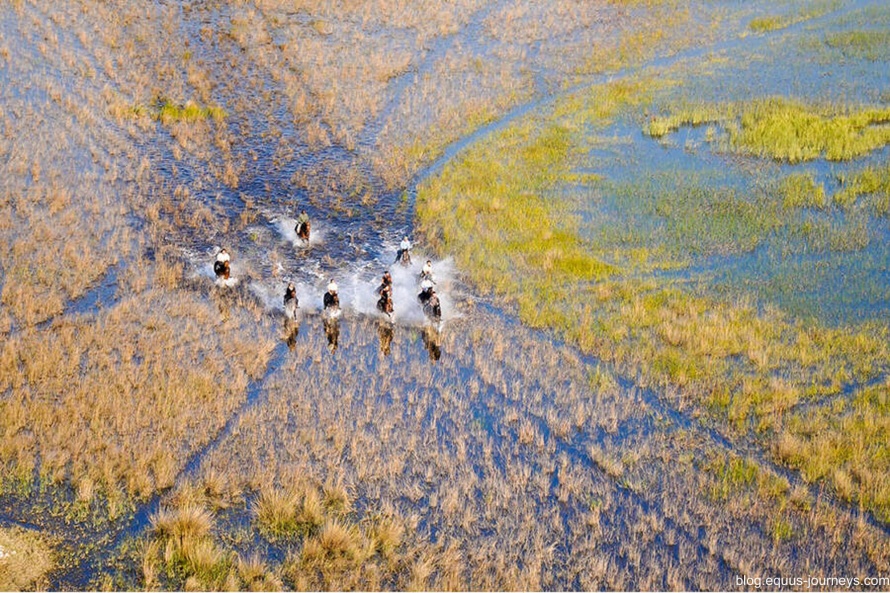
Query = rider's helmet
x=332 y=286
x=426 y=285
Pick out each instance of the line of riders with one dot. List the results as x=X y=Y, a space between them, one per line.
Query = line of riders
x=428 y=298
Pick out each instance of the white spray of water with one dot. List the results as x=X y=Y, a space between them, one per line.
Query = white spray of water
x=357 y=292
x=285 y=227
x=205 y=268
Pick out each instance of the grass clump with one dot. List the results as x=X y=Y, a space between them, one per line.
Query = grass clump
x=800 y=190
x=769 y=23
x=787 y=130
x=288 y=512
x=872 y=183
x=790 y=131
x=843 y=442
x=169 y=112
x=25 y=560
x=873 y=46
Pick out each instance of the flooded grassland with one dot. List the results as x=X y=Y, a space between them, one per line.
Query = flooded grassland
x=646 y=378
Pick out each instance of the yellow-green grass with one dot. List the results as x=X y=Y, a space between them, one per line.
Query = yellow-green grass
x=25 y=560
x=870 y=186
x=747 y=367
x=769 y=23
x=872 y=45
x=800 y=190
x=844 y=442
x=787 y=130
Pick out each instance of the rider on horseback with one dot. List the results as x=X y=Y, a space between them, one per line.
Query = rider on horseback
x=403 y=255
x=384 y=304
x=290 y=300
x=302 y=226
x=221 y=266
x=426 y=273
x=426 y=291
x=385 y=283
x=331 y=300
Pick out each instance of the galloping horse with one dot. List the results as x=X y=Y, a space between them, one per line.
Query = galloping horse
x=291 y=303
x=384 y=304
x=303 y=230
x=432 y=309
x=221 y=266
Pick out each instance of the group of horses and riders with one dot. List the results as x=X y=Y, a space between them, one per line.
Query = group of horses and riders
x=428 y=298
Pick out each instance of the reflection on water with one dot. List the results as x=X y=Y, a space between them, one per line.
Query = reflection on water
x=432 y=343
x=291 y=331
x=332 y=331
x=385 y=332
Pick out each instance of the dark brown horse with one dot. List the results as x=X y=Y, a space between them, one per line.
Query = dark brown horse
x=221 y=269
x=384 y=304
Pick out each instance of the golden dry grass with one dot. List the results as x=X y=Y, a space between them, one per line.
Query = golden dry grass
x=25 y=560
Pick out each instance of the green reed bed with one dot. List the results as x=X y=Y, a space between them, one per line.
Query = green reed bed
x=787 y=130
x=745 y=366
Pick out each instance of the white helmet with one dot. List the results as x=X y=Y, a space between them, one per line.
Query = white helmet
x=332 y=287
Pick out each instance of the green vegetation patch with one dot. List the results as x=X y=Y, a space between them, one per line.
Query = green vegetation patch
x=871 y=185
x=800 y=190
x=873 y=46
x=189 y=112
x=845 y=442
x=25 y=560
x=769 y=23
x=786 y=130
x=504 y=211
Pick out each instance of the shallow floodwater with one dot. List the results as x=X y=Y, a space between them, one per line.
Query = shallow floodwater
x=495 y=438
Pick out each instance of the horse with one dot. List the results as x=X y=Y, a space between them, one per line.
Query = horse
x=432 y=309
x=302 y=230
x=384 y=304
x=292 y=308
x=291 y=303
x=331 y=304
x=425 y=295
x=403 y=256
x=222 y=269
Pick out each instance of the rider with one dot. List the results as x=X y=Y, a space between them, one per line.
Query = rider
x=426 y=291
x=426 y=273
x=404 y=247
x=384 y=304
x=385 y=283
x=331 y=300
x=290 y=294
x=302 y=219
x=221 y=265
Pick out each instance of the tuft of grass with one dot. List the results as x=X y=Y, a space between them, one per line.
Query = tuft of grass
x=800 y=190
x=872 y=184
x=189 y=523
x=25 y=560
x=873 y=46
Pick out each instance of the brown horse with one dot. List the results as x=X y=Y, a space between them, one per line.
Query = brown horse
x=303 y=231
x=221 y=269
x=384 y=304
